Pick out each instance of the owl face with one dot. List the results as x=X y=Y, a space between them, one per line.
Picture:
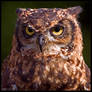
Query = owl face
x=46 y=32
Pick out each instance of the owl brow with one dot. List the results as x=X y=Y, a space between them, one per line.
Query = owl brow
x=25 y=24
x=60 y=22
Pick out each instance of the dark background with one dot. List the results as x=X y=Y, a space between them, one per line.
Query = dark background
x=8 y=22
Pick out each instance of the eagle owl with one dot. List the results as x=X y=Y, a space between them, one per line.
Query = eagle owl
x=46 y=52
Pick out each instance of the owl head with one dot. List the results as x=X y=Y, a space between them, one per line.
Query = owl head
x=47 y=51
x=47 y=32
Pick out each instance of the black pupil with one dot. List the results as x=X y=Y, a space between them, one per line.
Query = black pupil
x=57 y=29
x=30 y=29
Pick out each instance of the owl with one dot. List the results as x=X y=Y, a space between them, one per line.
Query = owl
x=46 y=52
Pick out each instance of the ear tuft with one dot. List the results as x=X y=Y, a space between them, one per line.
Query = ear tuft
x=74 y=11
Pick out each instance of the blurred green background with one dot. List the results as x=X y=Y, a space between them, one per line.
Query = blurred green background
x=8 y=21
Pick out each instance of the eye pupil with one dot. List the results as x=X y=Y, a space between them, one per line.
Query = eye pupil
x=57 y=29
x=30 y=29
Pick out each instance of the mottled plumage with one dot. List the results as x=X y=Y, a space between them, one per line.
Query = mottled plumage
x=46 y=52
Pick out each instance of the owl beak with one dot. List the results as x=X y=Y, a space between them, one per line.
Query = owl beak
x=41 y=41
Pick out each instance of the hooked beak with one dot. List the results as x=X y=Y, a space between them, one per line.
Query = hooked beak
x=41 y=41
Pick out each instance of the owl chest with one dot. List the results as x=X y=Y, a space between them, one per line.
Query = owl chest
x=37 y=75
x=32 y=74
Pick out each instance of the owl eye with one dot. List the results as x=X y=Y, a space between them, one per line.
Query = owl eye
x=29 y=31
x=58 y=30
